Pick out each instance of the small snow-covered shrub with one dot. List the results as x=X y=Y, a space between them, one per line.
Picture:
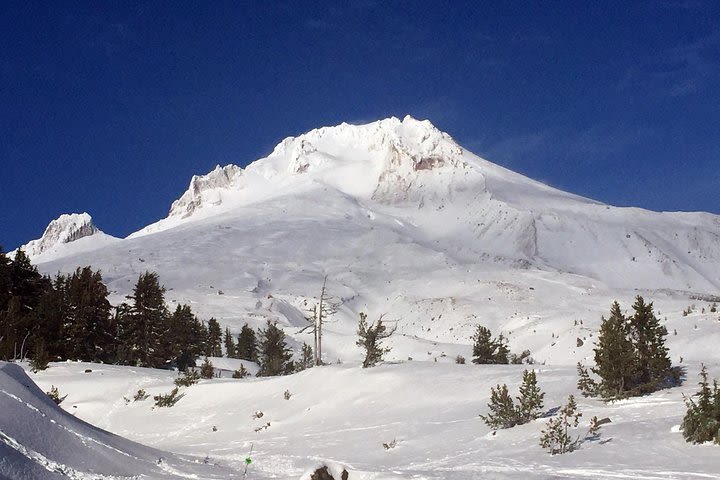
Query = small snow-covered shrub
x=242 y=372
x=169 y=399
x=140 y=396
x=190 y=377
x=54 y=395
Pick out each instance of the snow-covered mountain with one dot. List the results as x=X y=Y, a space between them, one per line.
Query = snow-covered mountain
x=75 y=228
x=404 y=221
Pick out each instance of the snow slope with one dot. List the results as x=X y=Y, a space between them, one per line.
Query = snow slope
x=40 y=441
x=342 y=415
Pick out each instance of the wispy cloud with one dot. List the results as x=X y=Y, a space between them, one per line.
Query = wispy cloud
x=681 y=70
x=591 y=145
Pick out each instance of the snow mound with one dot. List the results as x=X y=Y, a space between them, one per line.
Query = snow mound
x=39 y=441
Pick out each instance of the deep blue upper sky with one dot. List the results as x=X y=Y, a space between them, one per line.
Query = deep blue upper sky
x=111 y=109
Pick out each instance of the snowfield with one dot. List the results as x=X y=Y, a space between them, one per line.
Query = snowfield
x=403 y=222
x=343 y=414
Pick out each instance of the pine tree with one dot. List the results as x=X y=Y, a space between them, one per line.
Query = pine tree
x=147 y=324
x=214 y=338
x=230 y=348
x=40 y=359
x=307 y=360
x=5 y=281
x=487 y=350
x=274 y=353
x=502 y=351
x=247 y=348
x=206 y=369
x=370 y=338
x=556 y=437
x=483 y=346
x=652 y=360
x=530 y=401
x=702 y=419
x=615 y=359
x=586 y=385
x=240 y=372
x=87 y=327
x=185 y=336
x=503 y=413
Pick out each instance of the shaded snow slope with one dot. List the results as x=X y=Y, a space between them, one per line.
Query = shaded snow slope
x=40 y=441
x=66 y=235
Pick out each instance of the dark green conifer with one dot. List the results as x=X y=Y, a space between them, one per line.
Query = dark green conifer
x=247 y=344
x=503 y=413
x=530 y=401
x=230 y=348
x=214 y=338
x=275 y=356
x=615 y=359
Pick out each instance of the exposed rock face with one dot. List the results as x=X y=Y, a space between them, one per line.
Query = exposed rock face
x=206 y=190
x=65 y=229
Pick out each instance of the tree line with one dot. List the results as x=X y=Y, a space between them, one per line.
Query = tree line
x=70 y=318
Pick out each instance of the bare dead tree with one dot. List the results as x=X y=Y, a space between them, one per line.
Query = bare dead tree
x=319 y=313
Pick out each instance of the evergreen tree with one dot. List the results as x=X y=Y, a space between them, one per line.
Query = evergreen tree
x=702 y=419
x=87 y=328
x=40 y=357
x=247 y=344
x=615 y=359
x=230 y=348
x=648 y=336
x=185 y=337
x=503 y=413
x=23 y=289
x=148 y=323
x=206 y=369
x=307 y=360
x=274 y=353
x=502 y=351
x=5 y=282
x=214 y=341
x=487 y=350
x=370 y=338
x=556 y=437
x=530 y=401
x=586 y=385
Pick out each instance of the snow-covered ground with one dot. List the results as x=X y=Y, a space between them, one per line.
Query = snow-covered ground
x=343 y=414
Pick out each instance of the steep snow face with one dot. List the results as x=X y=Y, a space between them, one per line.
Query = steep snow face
x=65 y=229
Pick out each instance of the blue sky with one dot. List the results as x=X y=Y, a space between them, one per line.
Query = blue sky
x=111 y=108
